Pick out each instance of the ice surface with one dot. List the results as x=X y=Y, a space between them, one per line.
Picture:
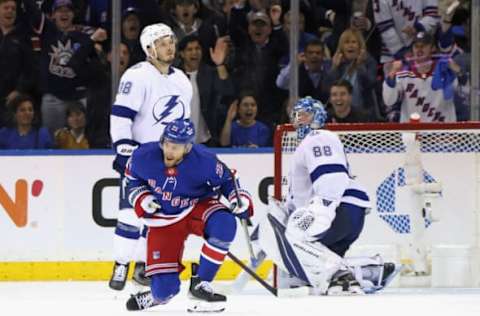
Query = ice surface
x=95 y=298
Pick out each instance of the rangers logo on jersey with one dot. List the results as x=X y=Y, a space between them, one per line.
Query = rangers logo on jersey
x=171 y=172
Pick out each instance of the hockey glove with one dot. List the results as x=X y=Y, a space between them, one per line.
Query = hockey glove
x=147 y=205
x=310 y=223
x=244 y=208
x=124 y=149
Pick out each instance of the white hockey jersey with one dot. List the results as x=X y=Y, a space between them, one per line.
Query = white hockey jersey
x=146 y=101
x=392 y=16
x=416 y=95
x=320 y=168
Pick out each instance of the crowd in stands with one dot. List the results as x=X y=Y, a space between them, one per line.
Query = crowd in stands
x=366 y=60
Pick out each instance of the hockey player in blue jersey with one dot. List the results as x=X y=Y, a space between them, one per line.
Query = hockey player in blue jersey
x=175 y=187
x=151 y=94
x=308 y=236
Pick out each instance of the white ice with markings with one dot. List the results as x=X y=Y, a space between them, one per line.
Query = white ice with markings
x=95 y=298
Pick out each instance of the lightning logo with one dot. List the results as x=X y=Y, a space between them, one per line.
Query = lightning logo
x=169 y=108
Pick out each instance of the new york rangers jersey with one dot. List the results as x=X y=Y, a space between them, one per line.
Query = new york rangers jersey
x=415 y=93
x=320 y=168
x=147 y=100
x=198 y=176
x=393 y=16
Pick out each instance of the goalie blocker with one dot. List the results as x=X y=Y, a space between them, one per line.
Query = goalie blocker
x=311 y=263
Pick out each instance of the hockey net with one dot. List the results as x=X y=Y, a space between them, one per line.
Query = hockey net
x=423 y=180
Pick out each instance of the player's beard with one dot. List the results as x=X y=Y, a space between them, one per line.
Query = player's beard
x=166 y=61
x=169 y=163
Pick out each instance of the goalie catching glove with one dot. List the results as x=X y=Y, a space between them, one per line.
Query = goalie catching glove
x=310 y=222
x=243 y=208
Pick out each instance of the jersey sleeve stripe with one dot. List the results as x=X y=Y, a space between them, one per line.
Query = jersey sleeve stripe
x=430 y=11
x=325 y=169
x=123 y=111
x=357 y=194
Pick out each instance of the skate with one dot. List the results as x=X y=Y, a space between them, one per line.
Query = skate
x=139 y=274
x=119 y=276
x=390 y=270
x=141 y=301
x=202 y=296
x=344 y=283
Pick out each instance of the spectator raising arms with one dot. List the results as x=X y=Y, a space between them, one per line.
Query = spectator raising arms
x=23 y=133
x=311 y=72
x=60 y=38
x=399 y=21
x=246 y=131
x=210 y=85
x=426 y=87
x=352 y=62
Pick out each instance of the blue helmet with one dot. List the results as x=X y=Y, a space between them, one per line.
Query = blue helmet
x=179 y=131
x=308 y=105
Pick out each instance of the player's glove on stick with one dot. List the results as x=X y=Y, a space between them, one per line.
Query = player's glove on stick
x=146 y=205
x=243 y=208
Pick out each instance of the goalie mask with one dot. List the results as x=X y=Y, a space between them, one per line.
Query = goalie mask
x=307 y=114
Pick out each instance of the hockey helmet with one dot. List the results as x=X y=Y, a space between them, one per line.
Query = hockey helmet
x=311 y=106
x=179 y=131
x=153 y=32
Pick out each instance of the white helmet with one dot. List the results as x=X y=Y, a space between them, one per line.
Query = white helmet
x=153 y=32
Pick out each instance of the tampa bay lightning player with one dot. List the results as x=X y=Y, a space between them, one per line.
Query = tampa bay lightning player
x=151 y=94
x=175 y=187
x=323 y=215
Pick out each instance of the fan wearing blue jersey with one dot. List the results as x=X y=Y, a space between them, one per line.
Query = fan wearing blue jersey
x=323 y=215
x=150 y=95
x=175 y=188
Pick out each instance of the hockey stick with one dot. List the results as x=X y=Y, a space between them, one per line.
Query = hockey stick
x=243 y=221
x=268 y=287
x=278 y=292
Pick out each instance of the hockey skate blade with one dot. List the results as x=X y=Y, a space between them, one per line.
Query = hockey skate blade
x=300 y=291
x=197 y=306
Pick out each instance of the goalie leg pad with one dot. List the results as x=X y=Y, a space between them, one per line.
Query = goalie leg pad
x=373 y=273
x=310 y=262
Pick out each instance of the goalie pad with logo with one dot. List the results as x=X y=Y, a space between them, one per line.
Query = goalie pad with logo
x=311 y=262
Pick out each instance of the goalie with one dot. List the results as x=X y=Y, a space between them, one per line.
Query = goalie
x=323 y=215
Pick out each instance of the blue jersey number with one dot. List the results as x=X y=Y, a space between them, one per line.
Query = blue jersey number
x=125 y=87
x=320 y=151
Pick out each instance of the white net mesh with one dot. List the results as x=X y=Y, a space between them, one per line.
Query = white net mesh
x=436 y=141
x=361 y=141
